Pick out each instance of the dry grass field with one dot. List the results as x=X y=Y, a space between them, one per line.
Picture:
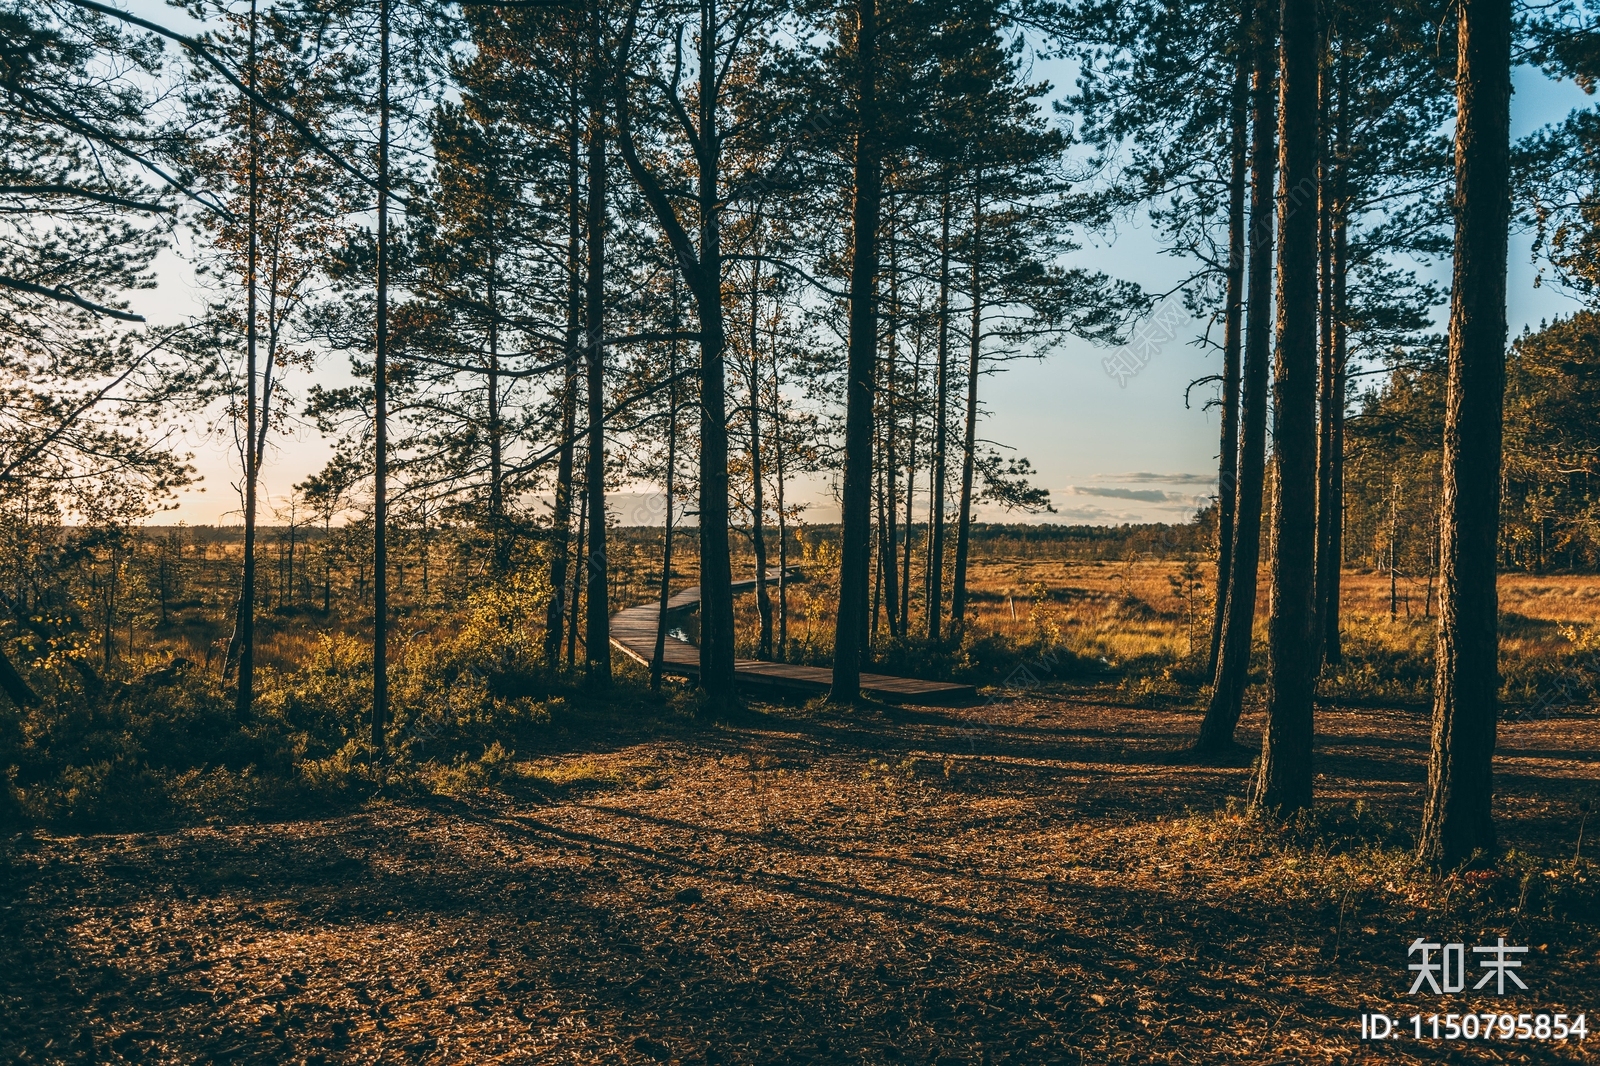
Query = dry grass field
x=1150 y=619
x=1082 y=596
x=1141 y=614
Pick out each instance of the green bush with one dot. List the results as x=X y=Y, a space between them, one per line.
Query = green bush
x=1382 y=663
x=986 y=658
x=107 y=758
x=171 y=743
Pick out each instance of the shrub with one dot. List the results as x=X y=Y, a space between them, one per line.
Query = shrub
x=987 y=658
x=111 y=758
x=170 y=743
x=1382 y=662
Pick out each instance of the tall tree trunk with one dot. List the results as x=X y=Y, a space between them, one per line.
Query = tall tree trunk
x=758 y=535
x=577 y=583
x=1458 y=819
x=561 y=516
x=969 y=446
x=783 y=526
x=245 y=694
x=380 y=389
x=911 y=496
x=1326 y=366
x=659 y=654
x=1233 y=315
x=941 y=401
x=1331 y=559
x=1285 y=782
x=702 y=268
x=891 y=395
x=876 y=555
x=597 y=632
x=887 y=562
x=1233 y=658
x=1394 y=540
x=716 y=565
x=855 y=556
x=497 y=505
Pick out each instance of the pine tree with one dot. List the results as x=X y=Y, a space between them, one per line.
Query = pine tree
x=850 y=633
x=1457 y=820
x=482 y=285
x=1285 y=782
x=1233 y=658
x=1384 y=97
x=271 y=246
x=707 y=143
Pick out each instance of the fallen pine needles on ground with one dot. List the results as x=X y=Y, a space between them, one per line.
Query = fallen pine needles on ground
x=1031 y=881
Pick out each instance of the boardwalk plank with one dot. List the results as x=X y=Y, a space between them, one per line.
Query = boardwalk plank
x=633 y=632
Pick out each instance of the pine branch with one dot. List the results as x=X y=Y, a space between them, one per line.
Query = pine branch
x=64 y=296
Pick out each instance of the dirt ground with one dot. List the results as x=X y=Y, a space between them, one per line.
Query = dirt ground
x=1031 y=880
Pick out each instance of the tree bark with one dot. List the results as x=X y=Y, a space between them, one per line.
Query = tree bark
x=875 y=561
x=1233 y=658
x=758 y=535
x=500 y=546
x=1457 y=819
x=850 y=627
x=1394 y=522
x=888 y=535
x=911 y=496
x=783 y=522
x=245 y=694
x=941 y=389
x=659 y=654
x=577 y=584
x=1233 y=315
x=1325 y=341
x=597 y=631
x=500 y=541
x=1285 y=782
x=561 y=516
x=716 y=567
x=969 y=445
x=1331 y=560
x=247 y=594
x=1326 y=363
x=702 y=269
x=380 y=389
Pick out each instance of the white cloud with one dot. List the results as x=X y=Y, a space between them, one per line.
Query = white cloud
x=1144 y=477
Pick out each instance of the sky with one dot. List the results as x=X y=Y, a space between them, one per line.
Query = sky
x=1110 y=449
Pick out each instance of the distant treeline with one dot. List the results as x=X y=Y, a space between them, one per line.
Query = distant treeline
x=1550 y=510
x=1156 y=540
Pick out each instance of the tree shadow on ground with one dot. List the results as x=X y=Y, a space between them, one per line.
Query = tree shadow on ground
x=916 y=885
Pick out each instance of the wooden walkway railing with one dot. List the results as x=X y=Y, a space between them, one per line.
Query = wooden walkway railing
x=633 y=632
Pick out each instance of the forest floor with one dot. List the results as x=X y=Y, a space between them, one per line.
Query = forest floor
x=1039 y=879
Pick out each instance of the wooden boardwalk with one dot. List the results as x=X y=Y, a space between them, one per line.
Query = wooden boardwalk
x=633 y=632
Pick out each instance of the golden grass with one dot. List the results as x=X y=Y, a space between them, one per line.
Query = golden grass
x=1146 y=615
x=593 y=772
